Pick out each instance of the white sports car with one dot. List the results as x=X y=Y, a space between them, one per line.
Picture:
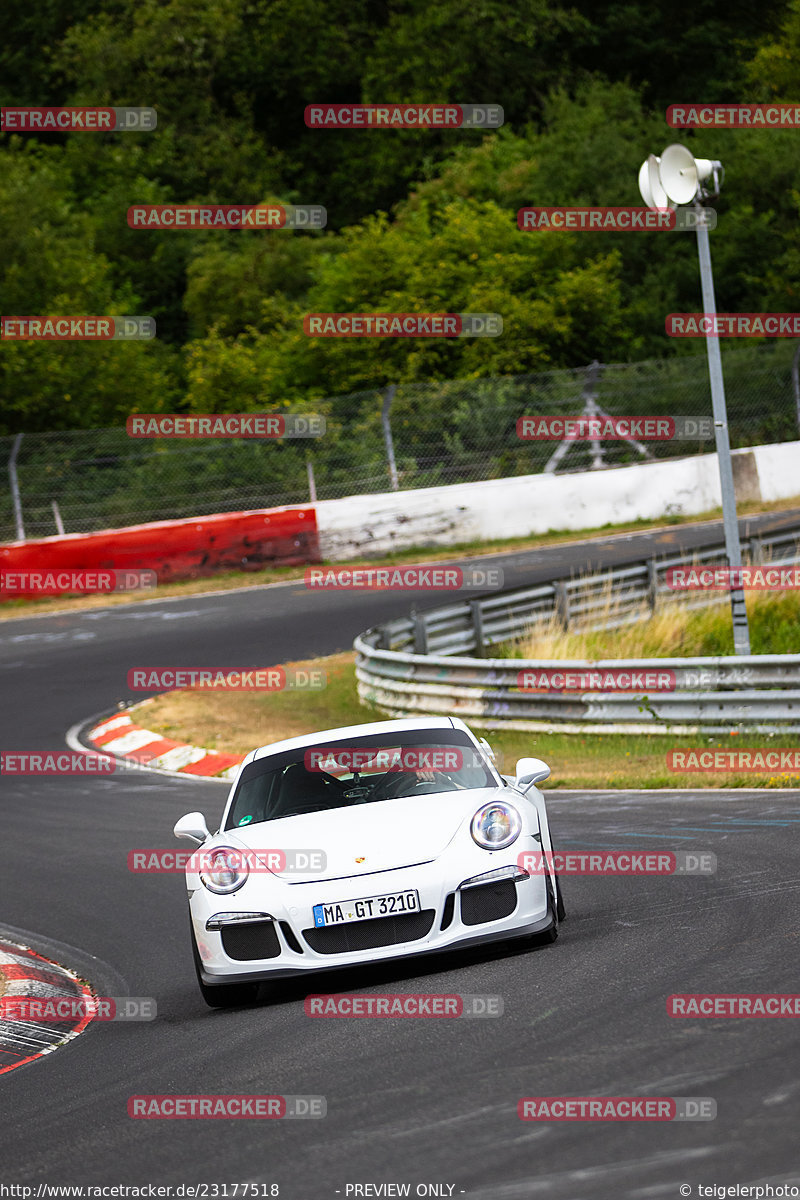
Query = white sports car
x=362 y=844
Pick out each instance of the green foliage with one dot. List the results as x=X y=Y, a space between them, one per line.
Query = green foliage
x=418 y=221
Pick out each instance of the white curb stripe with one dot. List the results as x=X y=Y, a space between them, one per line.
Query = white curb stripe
x=177 y=762
x=136 y=740
x=37 y=988
x=181 y=756
x=112 y=723
x=31 y=1039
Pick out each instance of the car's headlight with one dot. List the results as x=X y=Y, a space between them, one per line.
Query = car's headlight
x=496 y=826
x=224 y=870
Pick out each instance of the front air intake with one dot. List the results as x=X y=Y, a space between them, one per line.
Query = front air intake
x=251 y=941
x=367 y=935
x=490 y=902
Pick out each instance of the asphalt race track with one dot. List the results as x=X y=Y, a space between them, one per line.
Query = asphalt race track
x=408 y=1101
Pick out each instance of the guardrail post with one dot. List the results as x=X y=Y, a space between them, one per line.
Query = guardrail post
x=14 y=481
x=57 y=518
x=312 y=483
x=477 y=625
x=420 y=633
x=652 y=584
x=756 y=550
x=561 y=604
x=386 y=407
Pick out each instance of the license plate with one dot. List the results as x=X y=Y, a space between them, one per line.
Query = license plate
x=343 y=911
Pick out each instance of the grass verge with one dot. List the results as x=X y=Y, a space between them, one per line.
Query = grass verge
x=237 y=722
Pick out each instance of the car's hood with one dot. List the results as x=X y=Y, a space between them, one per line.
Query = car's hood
x=386 y=834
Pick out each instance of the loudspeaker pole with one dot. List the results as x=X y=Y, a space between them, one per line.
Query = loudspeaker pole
x=677 y=177
x=733 y=549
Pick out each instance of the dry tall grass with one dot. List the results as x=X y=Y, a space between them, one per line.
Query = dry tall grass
x=673 y=630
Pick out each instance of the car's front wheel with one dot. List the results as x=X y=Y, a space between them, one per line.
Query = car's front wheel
x=222 y=995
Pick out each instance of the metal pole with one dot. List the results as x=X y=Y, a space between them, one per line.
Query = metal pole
x=12 y=474
x=741 y=631
x=57 y=517
x=590 y=409
x=312 y=483
x=388 y=397
x=796 y=382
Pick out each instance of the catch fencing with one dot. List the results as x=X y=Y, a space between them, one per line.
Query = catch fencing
x=406 y=436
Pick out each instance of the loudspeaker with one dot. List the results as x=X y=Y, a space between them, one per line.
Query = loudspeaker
x=681 y=173
x=650 y=187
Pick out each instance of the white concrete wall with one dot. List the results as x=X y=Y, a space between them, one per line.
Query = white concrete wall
x=778 y=470
x=500 y=508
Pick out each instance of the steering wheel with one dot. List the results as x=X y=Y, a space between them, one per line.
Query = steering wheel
x=393 y=788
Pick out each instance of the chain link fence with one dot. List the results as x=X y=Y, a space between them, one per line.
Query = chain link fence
x=410 y=436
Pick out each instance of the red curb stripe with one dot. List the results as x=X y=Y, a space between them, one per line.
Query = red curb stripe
x=111 y=734
x=43 y=974
x=212 y=764
x=153 y=750
x=39 y=974
x=20 y=1061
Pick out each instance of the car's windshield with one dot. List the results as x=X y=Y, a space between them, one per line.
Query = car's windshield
x=357 y=770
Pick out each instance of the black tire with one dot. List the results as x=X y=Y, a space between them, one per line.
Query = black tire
x=560 y=910
x=222 y=995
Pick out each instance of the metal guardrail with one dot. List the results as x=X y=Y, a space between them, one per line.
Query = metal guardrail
x=420 y=664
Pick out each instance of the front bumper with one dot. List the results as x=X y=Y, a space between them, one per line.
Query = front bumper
x=291 y=946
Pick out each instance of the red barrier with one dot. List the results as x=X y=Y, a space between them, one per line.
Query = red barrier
x=187 y=549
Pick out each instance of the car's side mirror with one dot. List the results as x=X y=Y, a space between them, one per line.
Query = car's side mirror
x=192 y=826
x=530 y=771
x=485 y=745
